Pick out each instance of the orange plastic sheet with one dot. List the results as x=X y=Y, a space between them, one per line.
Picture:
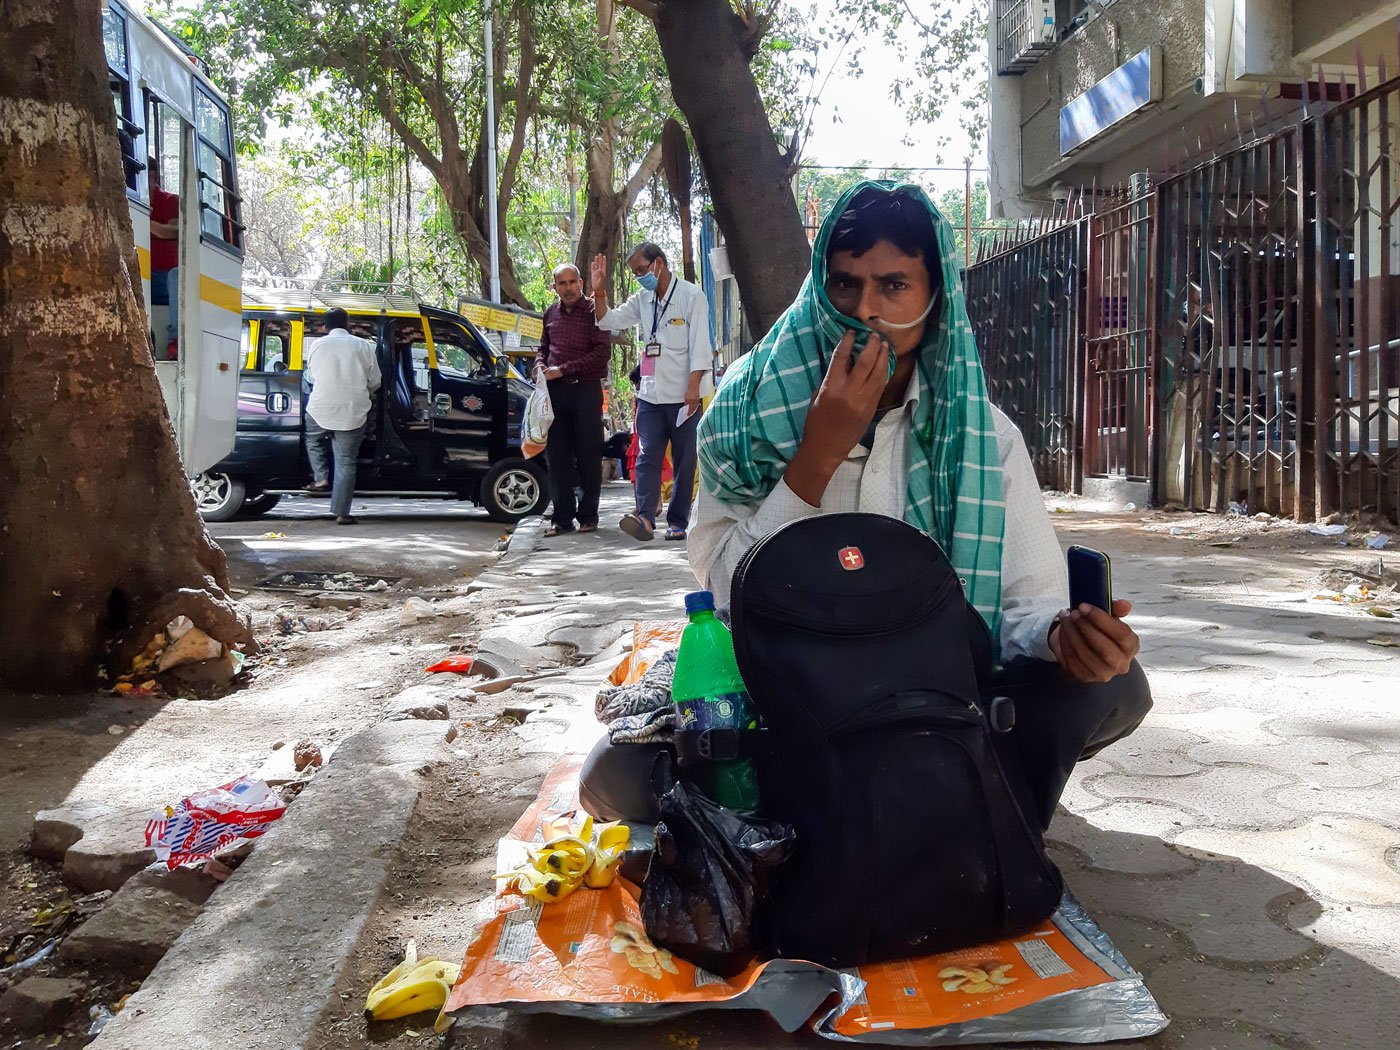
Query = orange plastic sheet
x=589 y=956
x=650 y=638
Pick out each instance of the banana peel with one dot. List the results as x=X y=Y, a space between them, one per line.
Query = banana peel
x=413 y=986
x=568 y=861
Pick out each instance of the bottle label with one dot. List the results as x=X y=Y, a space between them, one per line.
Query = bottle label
x=725 y=711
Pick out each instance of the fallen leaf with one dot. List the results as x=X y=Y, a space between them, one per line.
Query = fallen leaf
x=1381 y=611
x=1385 y=643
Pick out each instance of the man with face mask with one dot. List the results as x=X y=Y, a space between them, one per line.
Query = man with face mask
x=868 y=395
x=677 y=356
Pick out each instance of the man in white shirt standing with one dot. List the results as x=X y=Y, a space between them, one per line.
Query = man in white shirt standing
x=342 y=371
x=677 y=356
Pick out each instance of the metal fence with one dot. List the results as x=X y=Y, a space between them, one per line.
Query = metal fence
x=1231 y=334
x=1026 y=314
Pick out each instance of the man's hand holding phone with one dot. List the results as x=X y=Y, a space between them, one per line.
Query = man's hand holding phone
x=1093 y=646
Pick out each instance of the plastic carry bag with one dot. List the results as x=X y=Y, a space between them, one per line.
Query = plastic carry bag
x=207 y=822
x=539 y=414
x=708 y=877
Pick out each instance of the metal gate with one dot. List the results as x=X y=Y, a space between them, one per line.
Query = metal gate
x=1026 y=316
x=1118 y=338
x=1231 y=333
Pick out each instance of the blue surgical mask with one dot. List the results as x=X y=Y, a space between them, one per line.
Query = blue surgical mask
x=648 y=281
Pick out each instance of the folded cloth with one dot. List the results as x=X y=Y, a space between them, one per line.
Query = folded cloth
x=657 y=727
x=652 y=692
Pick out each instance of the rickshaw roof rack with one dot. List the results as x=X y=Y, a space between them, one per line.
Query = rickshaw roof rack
x=295 y=293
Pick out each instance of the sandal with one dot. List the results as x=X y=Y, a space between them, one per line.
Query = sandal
x=637 y=527
x=556 y=530
x=588 y=528
x=674 y=533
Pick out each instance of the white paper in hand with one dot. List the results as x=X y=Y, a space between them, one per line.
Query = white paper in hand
x=683 y=415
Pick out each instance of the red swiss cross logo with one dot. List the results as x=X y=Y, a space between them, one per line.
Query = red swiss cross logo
x=851 y=558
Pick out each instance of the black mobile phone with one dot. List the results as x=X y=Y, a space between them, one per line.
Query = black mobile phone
x=1090 y=578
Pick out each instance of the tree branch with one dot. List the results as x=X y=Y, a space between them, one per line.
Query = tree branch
x=643 y=7
x=650 y=165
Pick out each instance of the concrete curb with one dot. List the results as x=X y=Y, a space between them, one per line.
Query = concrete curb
x=523 y=542
x=258 y=966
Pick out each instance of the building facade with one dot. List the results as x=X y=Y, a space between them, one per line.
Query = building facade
x=1090 y=92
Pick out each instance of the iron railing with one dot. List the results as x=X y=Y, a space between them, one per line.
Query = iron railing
x=1023 y=36
x=1231 y=335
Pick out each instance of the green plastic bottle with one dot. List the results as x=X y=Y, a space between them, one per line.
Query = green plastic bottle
x=709 y=694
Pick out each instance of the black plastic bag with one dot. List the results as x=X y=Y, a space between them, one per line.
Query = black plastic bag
x=707 y=879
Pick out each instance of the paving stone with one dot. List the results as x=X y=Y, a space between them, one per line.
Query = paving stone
x=1219 y=725
x=1370 y=934
x=1380 y=803
x=1319 y=760
x=1153 y=751
x=105 y=845
x=1100 y=837
x=38 y=1004
x=1145 y=942
x=426 y=701
x=1222 y=796
x=589 y=640
x=1339 y=858
x=1336 y=1003
x=1078 y=796
x=1371 y=726
x=135 y=928
x=1221 y=908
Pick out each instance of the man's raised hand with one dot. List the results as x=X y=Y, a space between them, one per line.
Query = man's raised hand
x=839 y=415
x=598 y=273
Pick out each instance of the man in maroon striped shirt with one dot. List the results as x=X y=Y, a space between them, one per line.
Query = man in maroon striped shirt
x=574 y=354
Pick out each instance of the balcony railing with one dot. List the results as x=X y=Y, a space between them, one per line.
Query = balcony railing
x=1025 y=32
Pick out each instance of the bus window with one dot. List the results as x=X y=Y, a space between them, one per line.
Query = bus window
x=119 y=79
x=164 y=143
x=218 y=196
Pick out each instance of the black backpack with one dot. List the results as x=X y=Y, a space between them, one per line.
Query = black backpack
x=863 y=657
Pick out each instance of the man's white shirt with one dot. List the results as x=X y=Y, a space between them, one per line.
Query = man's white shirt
x=1034 y=581
x=343 y=372
x=683 y=330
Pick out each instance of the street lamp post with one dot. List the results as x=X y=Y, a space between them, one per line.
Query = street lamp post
x=493 y=233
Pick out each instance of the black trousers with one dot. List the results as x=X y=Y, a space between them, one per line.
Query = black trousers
x=1058 y=722
x=574 y=450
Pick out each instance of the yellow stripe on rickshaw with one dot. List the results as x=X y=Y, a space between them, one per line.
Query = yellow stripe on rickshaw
x=143 y=262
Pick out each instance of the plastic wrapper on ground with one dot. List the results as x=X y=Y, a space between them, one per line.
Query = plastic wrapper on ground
x=588 y=956
x=207 y=822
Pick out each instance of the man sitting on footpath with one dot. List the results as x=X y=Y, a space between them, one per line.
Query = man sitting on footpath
x=896 y=421
x=574 y=354
x=342 y=371
x=674 y=318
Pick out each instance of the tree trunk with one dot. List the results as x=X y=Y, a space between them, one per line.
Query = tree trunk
x=100 y=543
x=707 y=49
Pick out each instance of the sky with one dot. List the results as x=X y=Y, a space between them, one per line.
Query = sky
x=872 y=127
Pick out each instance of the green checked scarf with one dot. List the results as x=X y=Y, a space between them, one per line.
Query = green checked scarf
x=754 y=425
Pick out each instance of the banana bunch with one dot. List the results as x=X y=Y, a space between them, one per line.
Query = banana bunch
x=568 y=861
x=412 y=987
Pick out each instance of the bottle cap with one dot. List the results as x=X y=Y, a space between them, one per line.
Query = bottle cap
x=699 y=601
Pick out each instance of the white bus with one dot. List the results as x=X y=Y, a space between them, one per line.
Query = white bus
x=175 y=133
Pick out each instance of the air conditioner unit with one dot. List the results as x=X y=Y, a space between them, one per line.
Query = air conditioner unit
x=1025 y=32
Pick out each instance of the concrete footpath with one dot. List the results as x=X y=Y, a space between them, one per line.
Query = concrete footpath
x=1243 y=848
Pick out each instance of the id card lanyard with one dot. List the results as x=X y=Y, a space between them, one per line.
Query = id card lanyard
x=658 y=313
